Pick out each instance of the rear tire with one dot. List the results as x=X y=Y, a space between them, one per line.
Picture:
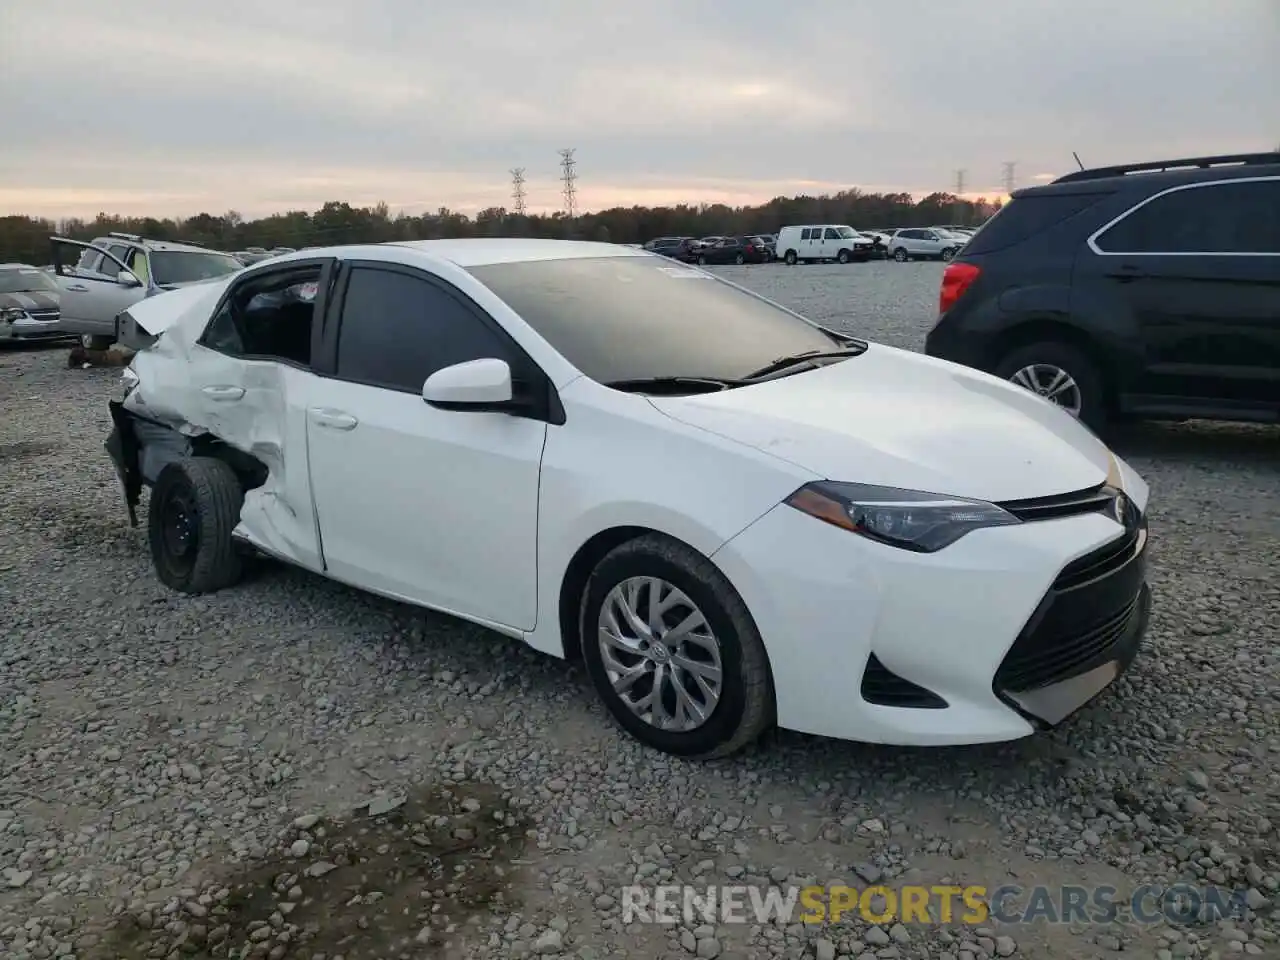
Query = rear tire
x=702 y=261
x=1094 y=409
x=739 y=259
x=744 y=708
x=93 y=341
x=947 y=254
x=900 y=255
x=790 y=258
x=195 y=506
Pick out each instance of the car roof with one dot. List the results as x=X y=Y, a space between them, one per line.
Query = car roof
x=161 y=246
x=481 y=251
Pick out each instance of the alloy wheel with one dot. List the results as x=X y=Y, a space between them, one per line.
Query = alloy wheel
x=1053 y=383
x=660 y=655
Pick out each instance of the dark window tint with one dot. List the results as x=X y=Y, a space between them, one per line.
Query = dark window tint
x=1231 y=217
x=175 y=266
x=624 y=318
x=120 y=252
x=398 y=329
x=804 y=234
x=832 y=234
x=268 y=317
x=1027 y=216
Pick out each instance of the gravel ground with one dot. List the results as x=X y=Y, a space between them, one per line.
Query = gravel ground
x=291 y=768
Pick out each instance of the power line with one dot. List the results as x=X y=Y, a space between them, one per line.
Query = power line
x=1010 y=176
x=570 y=179
x=517 y=190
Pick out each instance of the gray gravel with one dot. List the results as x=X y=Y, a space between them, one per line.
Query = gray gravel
x=292 y=768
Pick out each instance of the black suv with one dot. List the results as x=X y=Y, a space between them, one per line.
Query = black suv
x=1148 y=291
x=684 y=249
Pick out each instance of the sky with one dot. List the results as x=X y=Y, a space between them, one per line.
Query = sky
x=259 y=106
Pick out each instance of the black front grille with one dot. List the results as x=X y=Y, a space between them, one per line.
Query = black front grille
x=1087 y=612
x=883 y=687
x=1090 y=500
x=46 y=314
x=1038 y=664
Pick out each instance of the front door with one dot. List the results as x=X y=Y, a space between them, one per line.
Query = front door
x=435 y=506
x=91 y=299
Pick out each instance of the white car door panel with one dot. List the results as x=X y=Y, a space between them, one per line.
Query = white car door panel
x=436 y=506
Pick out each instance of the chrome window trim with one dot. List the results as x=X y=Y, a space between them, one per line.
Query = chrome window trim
x=1093 y=238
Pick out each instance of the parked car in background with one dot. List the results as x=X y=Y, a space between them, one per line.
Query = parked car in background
x=683 y=249
x=838 y=242
x=734 y=250
x=770 y=240
x=1148 y=290
x=710 y=500
x=116 y=271
x=29 y=304
x=923 y=243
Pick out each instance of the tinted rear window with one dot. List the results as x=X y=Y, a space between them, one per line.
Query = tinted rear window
x=1026 y=216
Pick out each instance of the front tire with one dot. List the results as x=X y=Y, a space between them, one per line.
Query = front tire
x=673 y=652
x=1062 y=374
x=93 y=341
x=842 y=256
x=947 y=254
x=195 y=506
x=739 y=259
x=702 y=261
x=900 y=255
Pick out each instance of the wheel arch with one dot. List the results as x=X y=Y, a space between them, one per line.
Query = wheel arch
x=1039 y=329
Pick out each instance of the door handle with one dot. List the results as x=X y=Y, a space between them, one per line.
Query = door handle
x=333 y=419
x=1126 y=273
x=223 y=394
x=77 y=288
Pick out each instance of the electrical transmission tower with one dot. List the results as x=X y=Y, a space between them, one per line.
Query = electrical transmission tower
x=517 y=190
x=570 y=179
x=958 y=207
x=959 y=182
x=1010 y=176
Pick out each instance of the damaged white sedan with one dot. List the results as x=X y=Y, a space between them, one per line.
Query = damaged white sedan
x=734 y=516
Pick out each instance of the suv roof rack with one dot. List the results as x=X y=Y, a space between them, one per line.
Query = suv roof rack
x=1158 y=166
x=124 y=236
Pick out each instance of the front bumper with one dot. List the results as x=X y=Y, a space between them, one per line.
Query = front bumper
x=32 y=328
x=991 y=639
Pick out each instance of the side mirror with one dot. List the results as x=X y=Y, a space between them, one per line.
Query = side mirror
x=127 y=279
x=474 y=385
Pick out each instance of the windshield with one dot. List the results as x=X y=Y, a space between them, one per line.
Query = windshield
x=631 y=318
x=180 y=266
x=846 y=233
x=26 y=280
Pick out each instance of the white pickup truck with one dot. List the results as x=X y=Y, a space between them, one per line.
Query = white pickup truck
x=111 y=274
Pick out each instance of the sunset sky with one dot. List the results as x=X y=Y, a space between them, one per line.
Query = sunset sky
x=184 y=106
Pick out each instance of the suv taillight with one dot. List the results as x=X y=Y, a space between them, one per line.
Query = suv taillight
x=956 y=279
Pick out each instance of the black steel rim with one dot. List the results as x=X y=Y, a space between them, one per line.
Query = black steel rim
x=180 y=528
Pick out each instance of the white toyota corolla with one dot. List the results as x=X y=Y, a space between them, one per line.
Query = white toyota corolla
x=734 y=516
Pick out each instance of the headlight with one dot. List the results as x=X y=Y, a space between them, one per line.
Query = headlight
x=921 y=522
x=10 y=314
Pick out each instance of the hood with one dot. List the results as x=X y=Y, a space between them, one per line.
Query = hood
x=40 y=300
x=156 y=314
x=901 y=419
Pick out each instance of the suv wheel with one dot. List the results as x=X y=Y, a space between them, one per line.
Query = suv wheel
x=739 y=259
x=900 y=255
x=1062 y=374
x=673 y=652
x=947 y=254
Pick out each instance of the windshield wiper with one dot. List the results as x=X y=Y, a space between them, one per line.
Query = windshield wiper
x=782 y=363
x=698 y=384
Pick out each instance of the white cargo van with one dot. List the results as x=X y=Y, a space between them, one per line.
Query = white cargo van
x=824 y=241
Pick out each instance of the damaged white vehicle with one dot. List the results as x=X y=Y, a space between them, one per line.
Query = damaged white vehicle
x=735 y=516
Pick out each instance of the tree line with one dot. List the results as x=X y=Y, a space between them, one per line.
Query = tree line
x=26 y=239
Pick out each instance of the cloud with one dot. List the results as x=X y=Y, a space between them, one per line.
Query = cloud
x=178 y=106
